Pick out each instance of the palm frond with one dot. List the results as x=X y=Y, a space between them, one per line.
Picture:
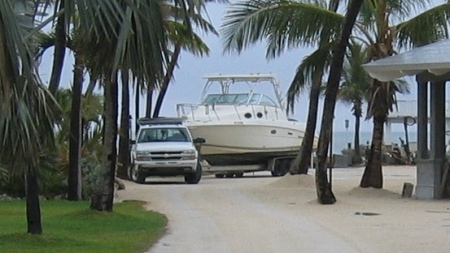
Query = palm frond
x=320 y=58
x=197 y=19
x=178 y=33
x=27 y=110
x=44 y=41
x=427 y=27
x=284 y=24
x=399 y=9
x=383 y=98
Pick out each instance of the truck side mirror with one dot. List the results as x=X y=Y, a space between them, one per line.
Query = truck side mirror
x=199 y=140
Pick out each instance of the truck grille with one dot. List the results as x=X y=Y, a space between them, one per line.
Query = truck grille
x=168 y=153
x=171 y=155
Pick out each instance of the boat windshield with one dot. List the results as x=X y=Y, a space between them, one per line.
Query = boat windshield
x=230 y=99
x=163 y=135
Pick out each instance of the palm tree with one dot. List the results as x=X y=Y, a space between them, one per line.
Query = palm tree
x=354 y=89
x=75 y=44
x=323 y=188
x=76 y=130
x=356 y=85
x=27 y=110
x=124 y=136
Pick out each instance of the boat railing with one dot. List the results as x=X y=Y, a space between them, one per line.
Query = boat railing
x=210 y=111
x=188 y=110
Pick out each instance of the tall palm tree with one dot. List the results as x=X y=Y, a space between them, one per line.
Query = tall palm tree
x=288 y=24
x=323 y=188
x=354 y=90
x=27 y=110
x=124 y=135
x=75 y=44
x=76 y=130
x=356 y=86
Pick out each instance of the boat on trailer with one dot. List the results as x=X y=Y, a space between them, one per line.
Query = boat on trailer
x=242 y=127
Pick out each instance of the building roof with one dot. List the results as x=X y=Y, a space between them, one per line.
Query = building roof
x=434 y=58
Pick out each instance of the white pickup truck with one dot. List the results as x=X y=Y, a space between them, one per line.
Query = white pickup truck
x=164 y=147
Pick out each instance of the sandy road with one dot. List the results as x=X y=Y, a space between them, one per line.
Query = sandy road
x=218 y=215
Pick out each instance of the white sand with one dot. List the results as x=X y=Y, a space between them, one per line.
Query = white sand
x=266 y=214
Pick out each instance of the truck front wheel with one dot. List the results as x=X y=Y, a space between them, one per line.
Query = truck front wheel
x=195 y=177
x=136 y=175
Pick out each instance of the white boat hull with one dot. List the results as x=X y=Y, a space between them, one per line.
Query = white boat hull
x=247 y=142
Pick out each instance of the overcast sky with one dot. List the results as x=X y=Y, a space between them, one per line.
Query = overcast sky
x=188 y=83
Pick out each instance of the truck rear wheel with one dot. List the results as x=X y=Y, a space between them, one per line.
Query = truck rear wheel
x=195 y=177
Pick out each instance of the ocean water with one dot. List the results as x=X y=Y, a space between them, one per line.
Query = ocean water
x=340 y=139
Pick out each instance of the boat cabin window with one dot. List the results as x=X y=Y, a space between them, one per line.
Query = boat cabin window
x=265 y=100
x=254 y=99
x=259 y=99
x=225 y=99
x=163 y=135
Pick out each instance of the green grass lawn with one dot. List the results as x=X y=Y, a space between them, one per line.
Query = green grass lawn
x=72 y=227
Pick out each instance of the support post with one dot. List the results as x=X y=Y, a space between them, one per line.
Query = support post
x=422 y=120
x=429 y=170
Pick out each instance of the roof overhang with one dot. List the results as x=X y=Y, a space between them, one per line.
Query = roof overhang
x=434 y=58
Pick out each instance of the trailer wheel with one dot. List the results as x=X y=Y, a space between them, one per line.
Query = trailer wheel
x=281 y=167
x=240 y=174
x=229 y=175
x=219 y=175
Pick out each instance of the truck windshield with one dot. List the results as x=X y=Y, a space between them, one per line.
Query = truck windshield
x=163 y=135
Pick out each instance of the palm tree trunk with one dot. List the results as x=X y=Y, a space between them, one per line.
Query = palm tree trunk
x=149 y=102
x=33 y=206
x=357 y=155
x=136 y=108
x=167 y=79
x=323 y=188
x=60 y=51
x=74 y=179
x=124 y=141
x=102 y=199
x=301 y=163
x=373 y=174
x=91 y=85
